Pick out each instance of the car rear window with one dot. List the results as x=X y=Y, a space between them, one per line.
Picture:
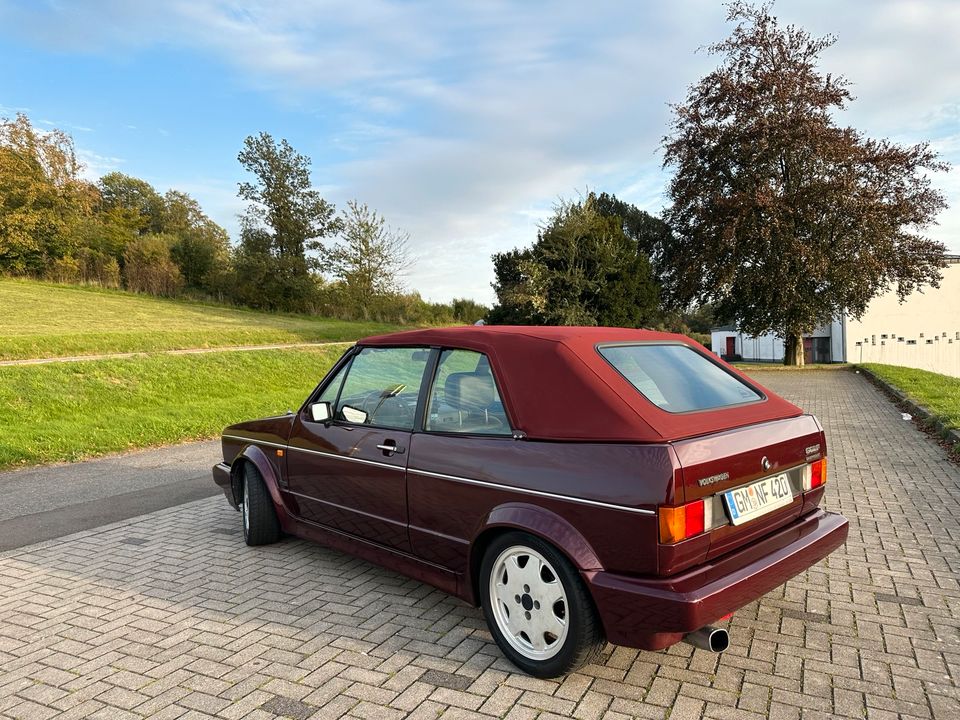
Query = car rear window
x=677 y=378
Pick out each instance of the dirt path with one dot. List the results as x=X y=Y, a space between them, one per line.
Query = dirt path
x=182 y=351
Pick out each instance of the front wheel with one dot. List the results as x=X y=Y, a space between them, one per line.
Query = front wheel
x=260 y=524
x=537 y=607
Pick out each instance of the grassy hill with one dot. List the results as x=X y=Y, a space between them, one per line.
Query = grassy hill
x=75 y=410
x=45 y=320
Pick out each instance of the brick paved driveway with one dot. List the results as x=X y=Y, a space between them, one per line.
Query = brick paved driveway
x=170 y=615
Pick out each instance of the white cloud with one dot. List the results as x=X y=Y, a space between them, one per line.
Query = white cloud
x=10 y=112
x=64 y=125
x=96 y=165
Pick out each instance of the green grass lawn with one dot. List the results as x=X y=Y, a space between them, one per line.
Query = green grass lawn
x=46 y=320
x=940 y=394
x=71 y=411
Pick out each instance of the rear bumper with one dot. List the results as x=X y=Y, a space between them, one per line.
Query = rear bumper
x=221 y=476
x=653 y=613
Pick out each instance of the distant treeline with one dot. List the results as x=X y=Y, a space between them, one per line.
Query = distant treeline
x=120 y=232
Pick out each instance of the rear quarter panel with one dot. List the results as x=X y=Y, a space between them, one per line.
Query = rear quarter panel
x=447 y=514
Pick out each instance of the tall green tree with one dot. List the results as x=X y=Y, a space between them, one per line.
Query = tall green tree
x=370 y=257
x=132 y=202
x=782 y=219
x=42 y=197
x=582 y=270
x=200 y=247
x=648 y=231
x=286 y=218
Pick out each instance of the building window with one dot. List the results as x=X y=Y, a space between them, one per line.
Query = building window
x=883 y=337
x=873 y=339
x=911 y=342
x=929 y=341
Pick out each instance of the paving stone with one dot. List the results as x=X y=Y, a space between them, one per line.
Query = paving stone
x=445 y=679
x=288 y=707
x=201 y=626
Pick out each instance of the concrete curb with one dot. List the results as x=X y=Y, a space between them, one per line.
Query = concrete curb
x=926 y=417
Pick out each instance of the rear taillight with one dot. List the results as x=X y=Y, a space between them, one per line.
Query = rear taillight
x=815 y=474
x=685 y=521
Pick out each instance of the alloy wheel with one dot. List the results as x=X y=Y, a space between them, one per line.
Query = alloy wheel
x=529 y=603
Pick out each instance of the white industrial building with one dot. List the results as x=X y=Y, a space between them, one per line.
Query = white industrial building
x=921 y=332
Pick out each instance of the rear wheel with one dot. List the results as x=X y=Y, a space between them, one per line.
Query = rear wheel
x=537 y=607
x=260 y=524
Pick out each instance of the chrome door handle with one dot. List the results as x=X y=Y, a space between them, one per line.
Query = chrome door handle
x=392 y=448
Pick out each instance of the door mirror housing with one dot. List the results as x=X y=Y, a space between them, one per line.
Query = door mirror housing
x=320 y=412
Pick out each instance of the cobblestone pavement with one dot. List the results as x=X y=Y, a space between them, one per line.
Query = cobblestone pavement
x=169 y=615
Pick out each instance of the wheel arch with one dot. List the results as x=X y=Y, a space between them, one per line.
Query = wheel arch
x=533 y=520
x=258 y=458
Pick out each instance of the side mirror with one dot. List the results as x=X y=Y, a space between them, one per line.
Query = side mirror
x=320 y=412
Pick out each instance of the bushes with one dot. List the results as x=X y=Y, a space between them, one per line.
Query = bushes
x=63 y=270
x=148 y=267
x=702 y=338
x=97 y=268
x=340 y=301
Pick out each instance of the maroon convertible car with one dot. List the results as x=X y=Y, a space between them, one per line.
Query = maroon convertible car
x=580 y=484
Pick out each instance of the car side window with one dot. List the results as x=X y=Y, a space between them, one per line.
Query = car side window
x=382 y=387
x=464 y=397
x=332 y=389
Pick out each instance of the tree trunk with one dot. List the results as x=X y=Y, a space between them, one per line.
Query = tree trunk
x=793 y=349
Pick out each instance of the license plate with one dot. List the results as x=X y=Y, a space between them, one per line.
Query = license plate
x=758 y=498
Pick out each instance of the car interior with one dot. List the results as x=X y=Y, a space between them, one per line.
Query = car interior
x=468 y=402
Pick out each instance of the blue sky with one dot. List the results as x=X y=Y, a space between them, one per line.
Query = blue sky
x=462 y=123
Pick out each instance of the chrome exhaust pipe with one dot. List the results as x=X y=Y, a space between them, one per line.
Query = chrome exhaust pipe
x=709 y=638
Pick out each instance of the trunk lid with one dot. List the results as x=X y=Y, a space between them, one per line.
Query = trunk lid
x=715 y=463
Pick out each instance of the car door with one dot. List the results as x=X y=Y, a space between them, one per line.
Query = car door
x=349 y=473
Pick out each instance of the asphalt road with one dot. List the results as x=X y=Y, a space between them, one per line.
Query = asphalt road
x=41 y=503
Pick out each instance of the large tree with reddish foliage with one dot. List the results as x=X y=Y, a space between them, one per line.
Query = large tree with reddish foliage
x=781 y=218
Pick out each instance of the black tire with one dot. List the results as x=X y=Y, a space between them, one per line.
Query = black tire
x=260 y=524
x=584 y=637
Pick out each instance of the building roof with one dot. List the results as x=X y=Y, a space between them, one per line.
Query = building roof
x=556 y=386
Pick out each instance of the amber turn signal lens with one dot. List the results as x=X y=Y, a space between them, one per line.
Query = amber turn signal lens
x=680 y=523
x=673 y=524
